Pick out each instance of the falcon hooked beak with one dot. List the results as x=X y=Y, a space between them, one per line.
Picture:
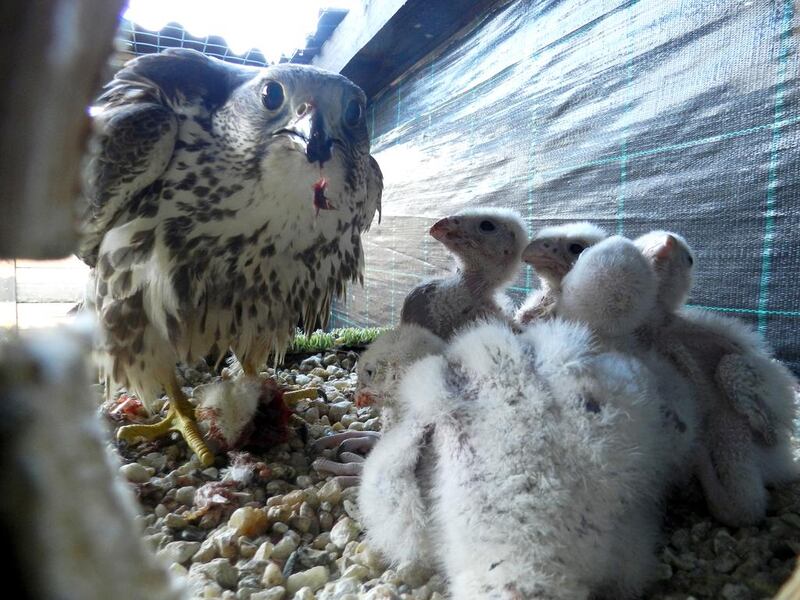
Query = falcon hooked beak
x=309 y=127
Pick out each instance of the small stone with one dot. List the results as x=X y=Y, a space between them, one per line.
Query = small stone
x=359 y=572
x=247 y=549
x=791 y=519
x=178 y=552
x=330 y=359
x=155 y=460
x=330 y=492
x=207 y=551
x=321 y=541
x=185 y=495
x=274 y=593
x=294 y=498
x=264 y=552
x=414 y=574
x=284 y=548
x=313 y=578
x=344 y=531
x=226 y=543
x=726 y=562
x=325 y=521
x=221 y=571
x=337 y=410
x=174 y=521
x=304 y=594
x=136 y=473
x=736 y=591
x=308 y=557
x=279 y=514
x=248 y=521
x=272 y=575
x=382 y=591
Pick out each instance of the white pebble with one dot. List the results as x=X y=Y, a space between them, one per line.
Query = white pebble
x=344 y=531
x=136 y=473
x=178 y=552
x=330 y=492
x=275 y=593
x=284 y=548
x=305 y=594
x=185 y=495
x=264 y=551
x=314 y=578
x=382 y=591
x=272 y=575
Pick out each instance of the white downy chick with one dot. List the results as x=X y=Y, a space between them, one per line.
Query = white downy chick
x=487 y=244
x=552 y=252
x=745 y=398
x=379 y=368
x=613 y=289
x=548 y=463
x=395 y=483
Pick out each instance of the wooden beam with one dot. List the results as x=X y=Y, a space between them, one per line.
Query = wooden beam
x=354 y=32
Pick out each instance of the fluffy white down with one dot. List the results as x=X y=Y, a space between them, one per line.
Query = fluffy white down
x=549 y=460
x=225 y=408
x=611 y=288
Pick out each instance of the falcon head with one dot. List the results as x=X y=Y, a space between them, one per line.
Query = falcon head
x=294 y=127
x=302 y=112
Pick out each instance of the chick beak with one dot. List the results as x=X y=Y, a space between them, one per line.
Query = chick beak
x=442 y=228
x=364 y=398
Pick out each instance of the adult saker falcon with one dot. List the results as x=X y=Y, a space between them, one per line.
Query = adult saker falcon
x=224 y=205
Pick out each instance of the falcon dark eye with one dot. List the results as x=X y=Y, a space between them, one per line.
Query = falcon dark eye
x=369 y=372
x=576 y=249
x=353 y=112
x=272 y=95
x=486 y=226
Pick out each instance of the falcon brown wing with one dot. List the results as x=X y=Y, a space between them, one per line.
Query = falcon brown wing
x=136 y=130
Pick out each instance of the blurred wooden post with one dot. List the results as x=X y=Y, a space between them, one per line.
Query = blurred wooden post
x=51 y=68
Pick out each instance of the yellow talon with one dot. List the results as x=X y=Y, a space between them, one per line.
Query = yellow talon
x=180 y=418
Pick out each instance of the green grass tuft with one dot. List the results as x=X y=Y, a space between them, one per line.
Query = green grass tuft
x=319 y=341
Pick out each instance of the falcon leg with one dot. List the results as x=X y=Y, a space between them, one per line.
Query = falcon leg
x=180 y=418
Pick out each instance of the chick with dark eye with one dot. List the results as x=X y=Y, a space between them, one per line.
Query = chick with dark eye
x=486 y=244
x=272 y=95
x=552 y=253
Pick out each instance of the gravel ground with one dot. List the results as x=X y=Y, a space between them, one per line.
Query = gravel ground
x=272 y=528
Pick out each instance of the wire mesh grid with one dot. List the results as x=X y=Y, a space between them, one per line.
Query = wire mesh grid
x=136 y=40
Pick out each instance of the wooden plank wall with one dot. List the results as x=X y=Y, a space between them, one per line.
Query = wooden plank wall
x=39 y=293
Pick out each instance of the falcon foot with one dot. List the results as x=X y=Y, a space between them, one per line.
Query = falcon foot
x=180 y=418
